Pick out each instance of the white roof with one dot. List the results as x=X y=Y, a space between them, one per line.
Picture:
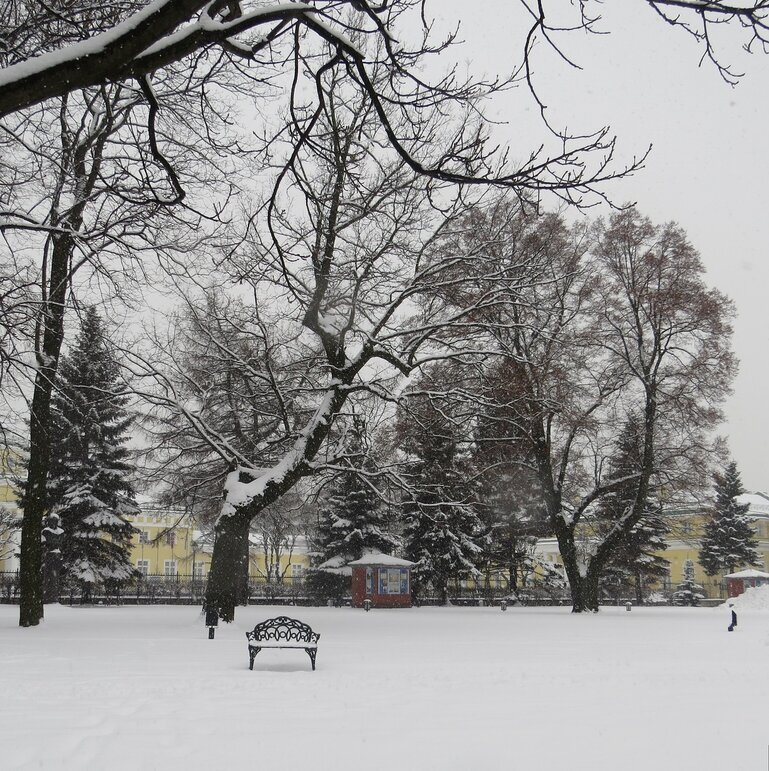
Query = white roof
x=336 y=565
x=750 y=573
x=382 y=559
x=759 y=503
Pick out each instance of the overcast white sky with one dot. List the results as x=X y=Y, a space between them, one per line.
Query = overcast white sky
x=708 y=170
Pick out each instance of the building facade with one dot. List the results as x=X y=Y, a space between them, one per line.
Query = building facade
x=167 y=544
x=10 y=535
x=683 y=545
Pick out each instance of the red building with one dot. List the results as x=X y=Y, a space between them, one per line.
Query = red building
x=382 y=579
x=738 y=582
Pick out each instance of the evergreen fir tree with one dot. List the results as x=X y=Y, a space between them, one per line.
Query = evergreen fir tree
x=688 y=592
x=442 y=526
x=509 y=495
x=442 y=539
x=636 y=560
x=352 y=517
x=728 y=540
x=89 y=486
x=352 y=520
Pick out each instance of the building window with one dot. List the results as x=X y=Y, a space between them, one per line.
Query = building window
x=169 y=568
x=393 y=581
x=143 y=566
x=171 y=538
x=296 y=571
x=198 y=569
x=667 y=582
x=688 y=572
x=144 y=536
x=369 y=581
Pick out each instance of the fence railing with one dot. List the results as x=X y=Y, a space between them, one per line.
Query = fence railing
x=190 y=589
x=148 y=589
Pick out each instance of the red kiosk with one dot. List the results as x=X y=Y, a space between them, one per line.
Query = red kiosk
x=738 y=582
x=383 y=580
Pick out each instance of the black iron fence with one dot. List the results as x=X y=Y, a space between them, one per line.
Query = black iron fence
x=292 y=590
x=175 y=589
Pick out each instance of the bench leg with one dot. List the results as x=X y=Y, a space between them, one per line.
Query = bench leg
x=252 y=655
x=311 y=652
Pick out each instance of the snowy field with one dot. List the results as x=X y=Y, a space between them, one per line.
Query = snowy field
x=420 y=690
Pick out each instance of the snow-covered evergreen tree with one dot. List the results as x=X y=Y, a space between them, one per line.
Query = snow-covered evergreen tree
x=508 y=492
x=688 y=592
x=442 y=527
x=636 y=560
x=728 y=540
x=353 y=520
x=90 y=484
x=441 y=538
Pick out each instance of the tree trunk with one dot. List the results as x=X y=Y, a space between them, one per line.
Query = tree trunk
x=584 y=593
x=241 y=596
x=35 y=493
x=50 y=335
x=31 y=557
x=512 y=570
x=229 y=563
x=639 y=594
x=583 y=588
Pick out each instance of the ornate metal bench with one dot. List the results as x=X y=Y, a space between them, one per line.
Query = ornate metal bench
x=282 y=632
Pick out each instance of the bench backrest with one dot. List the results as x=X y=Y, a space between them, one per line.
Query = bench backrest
x=283 y=629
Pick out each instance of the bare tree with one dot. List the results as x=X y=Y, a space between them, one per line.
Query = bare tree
x=564 y=385
x=281 y=530
x=227 y=389
x=607 y=323
x=89 y=216
x=704 y=20
x=227 y=370
x=346 y=253
x=672 y=335
x=163 y=32
x=18 y=310
x=299 y=41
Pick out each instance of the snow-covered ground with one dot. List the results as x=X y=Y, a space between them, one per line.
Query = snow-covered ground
x=420 y=690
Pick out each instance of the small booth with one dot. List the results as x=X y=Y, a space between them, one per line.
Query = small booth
x=382 y=580
x=737 y=583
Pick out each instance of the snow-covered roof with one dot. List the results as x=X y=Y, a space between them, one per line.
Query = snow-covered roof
x=375 y=558
x=759 y=502
x=749 y=573
x=334 y=562
x=336 y=565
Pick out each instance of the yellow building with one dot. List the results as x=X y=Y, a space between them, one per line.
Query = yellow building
x=9 y=512
x=168 y=544
x=683 y=545
x=687 y=527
